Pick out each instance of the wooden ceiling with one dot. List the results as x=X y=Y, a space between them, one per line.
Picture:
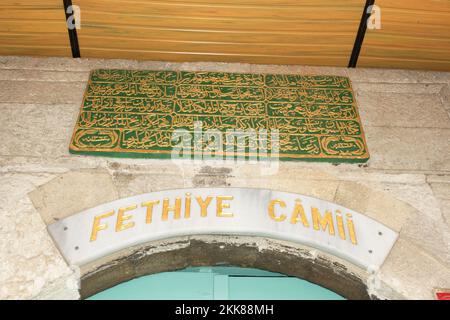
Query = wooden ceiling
x=33 y=28
x=414 y=33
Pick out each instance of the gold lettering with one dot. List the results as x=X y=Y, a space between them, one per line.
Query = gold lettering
x=221 y=206
x=176 y=209
x=340 y=224
x=96 y=226
x=324 y=222
x=149 y=213
x=121 y=217
x=271 y=210
x=351 y=229
x=187 y=206
x=204 y=205
x=299 y=214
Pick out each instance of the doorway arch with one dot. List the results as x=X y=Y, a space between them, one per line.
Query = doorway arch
x=216 y=283
x=267 y=254
x=388 y=282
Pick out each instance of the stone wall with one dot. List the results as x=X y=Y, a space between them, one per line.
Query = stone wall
x=405 y=184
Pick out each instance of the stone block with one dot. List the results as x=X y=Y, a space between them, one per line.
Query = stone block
x=73 y=192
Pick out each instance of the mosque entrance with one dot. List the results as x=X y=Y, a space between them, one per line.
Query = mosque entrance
x=217 y=283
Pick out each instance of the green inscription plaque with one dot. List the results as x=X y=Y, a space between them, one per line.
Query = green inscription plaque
x=134 y=113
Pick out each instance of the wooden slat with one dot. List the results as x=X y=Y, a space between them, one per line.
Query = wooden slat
x=404 y=29
x=38 y=40
x=31 y=3
x=34 y=50
x=415 y=18
x=108 y=20
x=408 y=53
x=20 y=14
x=189 y=56
x=304 y=49
x=420 y=5
x=414 y=35
x=211 y=10
x=33 y=28
x=270 y=3
x=270 y=31
x=263 y=38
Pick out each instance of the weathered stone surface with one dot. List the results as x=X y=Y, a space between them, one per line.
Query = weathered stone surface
x=211 y=66
x=412 y=272
x=445 y=207
x=445 y=97
x=62 y=64
x=438 y=178
x=30 y=261
x=432 y=235
x=441 y=190
x=79 y=189
x=291 y=69
x=131 y=184
x=399 y=76
x=41 y=92
x=370 y=176
x=378 y=205
x=315 y=188
x=36 y=129
x=376 y=109
x=420 y=197
x=288 y=170
x=405 y=88
x=41 y=75
x=212 y=177
x=414 y=149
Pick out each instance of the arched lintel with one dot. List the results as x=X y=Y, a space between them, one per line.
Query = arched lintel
x=211 y=250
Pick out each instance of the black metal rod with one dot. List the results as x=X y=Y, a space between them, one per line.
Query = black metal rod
x=360 y=35
x=72 y=32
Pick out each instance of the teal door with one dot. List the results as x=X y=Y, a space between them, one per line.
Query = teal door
x=214 y=283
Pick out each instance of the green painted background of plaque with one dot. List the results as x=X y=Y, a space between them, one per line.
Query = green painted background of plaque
x=146 y=79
